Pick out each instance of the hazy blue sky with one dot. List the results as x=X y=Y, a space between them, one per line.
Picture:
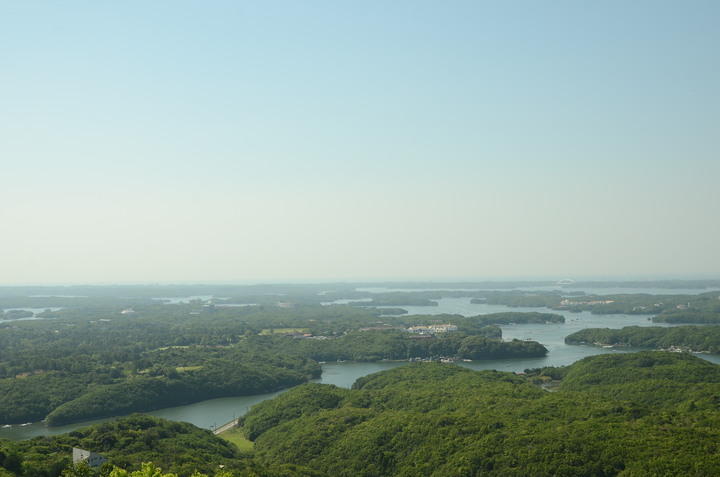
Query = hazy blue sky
x=177 y=141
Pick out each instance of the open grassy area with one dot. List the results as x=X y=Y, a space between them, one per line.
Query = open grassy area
x=180 y=369
x=237 y=437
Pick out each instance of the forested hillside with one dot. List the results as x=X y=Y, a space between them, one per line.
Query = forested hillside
x=435 y=419
x=649 y=413
x=175 y=447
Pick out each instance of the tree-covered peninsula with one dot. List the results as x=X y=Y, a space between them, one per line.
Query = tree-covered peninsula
x=704 y=339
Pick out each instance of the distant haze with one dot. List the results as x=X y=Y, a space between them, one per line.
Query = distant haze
x=255 y=141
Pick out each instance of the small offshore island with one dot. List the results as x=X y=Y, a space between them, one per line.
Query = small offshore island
x=69 y=354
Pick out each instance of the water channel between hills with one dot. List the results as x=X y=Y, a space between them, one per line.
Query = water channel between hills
x=216 y=412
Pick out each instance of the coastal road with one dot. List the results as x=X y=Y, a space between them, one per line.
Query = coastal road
x=225 y=427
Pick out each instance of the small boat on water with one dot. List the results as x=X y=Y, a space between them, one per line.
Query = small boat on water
x=6 y=426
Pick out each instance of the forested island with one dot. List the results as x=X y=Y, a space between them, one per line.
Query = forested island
x=704 y=339
x=675 y=308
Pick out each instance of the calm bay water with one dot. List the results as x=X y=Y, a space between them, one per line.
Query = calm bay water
x=214 y=413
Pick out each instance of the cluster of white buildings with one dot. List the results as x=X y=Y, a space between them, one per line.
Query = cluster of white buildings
x=432 y=329
x=593 y=302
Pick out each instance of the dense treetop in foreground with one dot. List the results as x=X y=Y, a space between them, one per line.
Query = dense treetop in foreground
x=658 y=414
x=648 y=413
x=127 y=443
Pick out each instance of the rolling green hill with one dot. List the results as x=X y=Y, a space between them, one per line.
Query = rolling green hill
x=649 y=413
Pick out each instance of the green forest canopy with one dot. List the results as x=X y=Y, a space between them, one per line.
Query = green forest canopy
x=648 y=413
x=434 y=419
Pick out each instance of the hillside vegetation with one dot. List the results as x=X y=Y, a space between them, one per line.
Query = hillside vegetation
x=110 y=356
x=649 y=413
x=614 y=415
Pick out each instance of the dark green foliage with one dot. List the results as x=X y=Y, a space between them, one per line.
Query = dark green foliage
x=93 y=362
x=410 y=376
x=217 y=378
x=689 y=338
x=374 y=345
x=31 y=398
x=641 y=414
x=141 y=393
x=89 y=360
x=174 y=446
x=698 y=317
x=518 y=317
x=518 y=298
x=650 y=378
x=400 y=299
x=304 y=400
x=476 y=347
x=435 y=419
x=610 y=417
x=171 y=445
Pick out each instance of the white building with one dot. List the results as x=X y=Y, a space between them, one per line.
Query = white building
x=92 y=459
